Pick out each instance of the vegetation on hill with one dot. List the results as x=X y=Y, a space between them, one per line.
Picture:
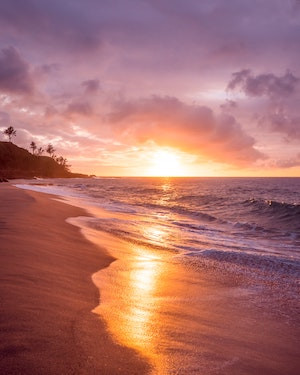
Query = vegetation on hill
x=16 y=162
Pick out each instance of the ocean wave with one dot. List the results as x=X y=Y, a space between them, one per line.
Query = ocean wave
x=182 y=210
x=252 y=227
x=274 y=206
x=278 y=213
x=194 y=214
x=200 y=199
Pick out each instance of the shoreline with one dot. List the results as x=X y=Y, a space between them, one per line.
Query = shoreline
x=47 y=294
x=178 y=319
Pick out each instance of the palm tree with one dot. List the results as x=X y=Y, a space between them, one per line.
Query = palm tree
x=10 y=132
x=50 y=150
x=63 y=162
x=40 y=151
x=33 y=146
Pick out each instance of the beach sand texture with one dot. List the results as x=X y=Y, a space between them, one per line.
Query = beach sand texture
x=162 y=317
x=47 y=294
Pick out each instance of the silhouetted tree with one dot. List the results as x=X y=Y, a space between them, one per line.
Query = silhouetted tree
x=40 y=151
x=50 y=150
x=33 y=146
x=63 y=162
x=10 y=132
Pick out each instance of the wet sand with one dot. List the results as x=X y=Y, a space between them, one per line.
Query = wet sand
x=191 y=321
x=47 y=295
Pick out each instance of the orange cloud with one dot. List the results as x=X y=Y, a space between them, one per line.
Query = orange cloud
x=192 y=128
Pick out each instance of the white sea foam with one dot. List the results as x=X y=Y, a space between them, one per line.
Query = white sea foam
x=62 y=191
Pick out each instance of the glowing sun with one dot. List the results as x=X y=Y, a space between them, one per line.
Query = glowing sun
x=165 y=163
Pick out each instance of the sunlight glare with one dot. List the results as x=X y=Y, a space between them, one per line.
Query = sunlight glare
x=166 y=163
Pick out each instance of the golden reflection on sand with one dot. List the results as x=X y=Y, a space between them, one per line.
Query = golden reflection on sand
x=129 y=300
x=143 y=281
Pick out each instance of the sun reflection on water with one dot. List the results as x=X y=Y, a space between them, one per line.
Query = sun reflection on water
x=130 y=300
x=154 y=233
x=166 y=186
x=131 y=287
x=143 y=281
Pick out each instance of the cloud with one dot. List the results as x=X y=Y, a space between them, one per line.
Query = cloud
x=15 y=75
x=58 y=22
x=168 y=121
x=268 y=84
x=47 y=69
x=50 y=111
x=284 y=123
x=91 y=86
x=4 y=119
x=80 y=108
x=229 y=105
x=288 y=163
x=280 y=112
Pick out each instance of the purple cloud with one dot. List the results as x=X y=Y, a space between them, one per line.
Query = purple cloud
x=15 y=75
x=50 y=22
x=282 y=122
x=281 y=113
x=80 y=108
x=91 y=86
x=268 y=84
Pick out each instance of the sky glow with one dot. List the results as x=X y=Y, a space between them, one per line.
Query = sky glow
x=110 y=83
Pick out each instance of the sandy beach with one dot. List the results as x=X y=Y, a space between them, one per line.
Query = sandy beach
x=47 y=294
x=156 y=315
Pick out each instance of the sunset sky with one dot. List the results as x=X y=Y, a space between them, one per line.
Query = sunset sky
x=155 y=87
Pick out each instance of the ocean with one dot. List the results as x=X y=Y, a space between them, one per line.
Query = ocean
x=234 y=219
x=178 y=232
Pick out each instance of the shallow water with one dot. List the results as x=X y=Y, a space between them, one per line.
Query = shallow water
x=196 y=216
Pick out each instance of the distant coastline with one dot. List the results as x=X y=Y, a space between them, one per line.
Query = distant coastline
x=16 y=162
